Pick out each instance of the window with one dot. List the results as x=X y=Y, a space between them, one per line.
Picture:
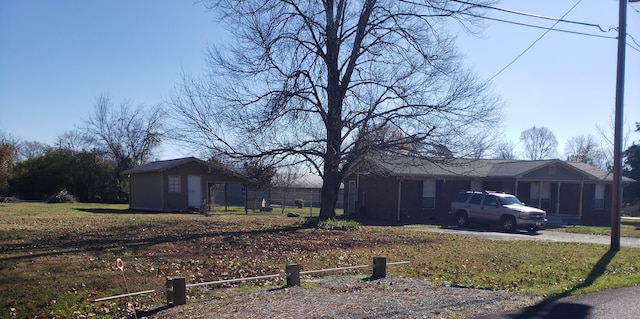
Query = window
x=429 y=194
x=541 y=194
x=462 y=197
x=490 y=200
x=475 y=199
x=174 y=184
x=598 y=203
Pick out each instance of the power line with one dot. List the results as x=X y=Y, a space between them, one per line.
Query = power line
x=609 y=28
x=537 y=26
x=534 y=43
x=541 y=27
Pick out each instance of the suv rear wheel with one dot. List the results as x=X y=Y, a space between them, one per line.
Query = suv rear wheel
x=508 y=224
x=462 y=219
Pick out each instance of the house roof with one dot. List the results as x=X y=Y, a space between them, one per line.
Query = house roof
x=416 y=167
x=412 y=167
x=159 y=166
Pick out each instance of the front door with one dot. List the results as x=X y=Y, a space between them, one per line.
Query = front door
x=194 y=187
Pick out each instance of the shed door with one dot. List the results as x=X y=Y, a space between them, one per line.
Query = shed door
x=194 y=186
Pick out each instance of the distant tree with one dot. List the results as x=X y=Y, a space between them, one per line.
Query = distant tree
x=632 y=170
x=86 y=175
x=539 y=143
x=74 y=140
x=286 y=181
x=8 y=157
x=311 y=80
x=607 y=134
x=505 y=150
x=129 y=134
x=31 y=149
x=260 y=176
x=586 y=149
x=44 y=175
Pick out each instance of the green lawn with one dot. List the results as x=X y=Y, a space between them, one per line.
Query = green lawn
x=56 y=258
x=629 y=227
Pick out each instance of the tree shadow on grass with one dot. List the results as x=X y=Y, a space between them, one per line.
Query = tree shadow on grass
x=117 y=211
x=554 y=308
x=118 y=238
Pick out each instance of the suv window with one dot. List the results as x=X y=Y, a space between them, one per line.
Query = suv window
x=490 y=201
x=462 y=197
x=475 y=199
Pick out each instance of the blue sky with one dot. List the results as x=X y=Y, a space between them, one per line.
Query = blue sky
x=56 y=57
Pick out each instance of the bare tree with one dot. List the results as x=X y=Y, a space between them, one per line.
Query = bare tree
x=32 y=149
x=585 y=149
x=260 y=175
x=311 y=80
x=129 y=134
x=505 y=150
x=539 y=143
x=74 y=140
x=286 y=181
x=607 y=136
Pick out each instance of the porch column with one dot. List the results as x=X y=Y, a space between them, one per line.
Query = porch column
x=399 y=195
x=558 y=199
x=539 y=194
x=515 y=192
x=580 y=204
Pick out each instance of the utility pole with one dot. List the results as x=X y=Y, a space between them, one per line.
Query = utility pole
x=616 y=191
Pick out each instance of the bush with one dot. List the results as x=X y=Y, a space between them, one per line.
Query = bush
x=631 y=210
x=10 y=199
x=62 y=196
x=299 y=202
x=337 y=224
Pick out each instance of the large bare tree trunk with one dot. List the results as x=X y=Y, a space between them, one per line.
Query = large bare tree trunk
x=328 y=83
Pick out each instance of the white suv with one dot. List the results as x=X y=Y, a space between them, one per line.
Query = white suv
x=493 y=208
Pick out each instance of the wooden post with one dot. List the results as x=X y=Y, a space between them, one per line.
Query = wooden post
x=176 y=291
x=293 y=275
x=379 y=267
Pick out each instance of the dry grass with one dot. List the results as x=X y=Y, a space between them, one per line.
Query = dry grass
x=56 y=258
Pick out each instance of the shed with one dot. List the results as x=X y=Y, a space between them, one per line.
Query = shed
x=175 y=185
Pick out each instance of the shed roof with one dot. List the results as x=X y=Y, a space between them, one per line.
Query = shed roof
x=159 y=166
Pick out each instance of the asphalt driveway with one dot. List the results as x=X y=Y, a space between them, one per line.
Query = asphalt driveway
x=543 y=235
x=619 y=303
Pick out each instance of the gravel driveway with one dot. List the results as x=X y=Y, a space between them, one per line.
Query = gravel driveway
x=544 y=235
x=351 y=298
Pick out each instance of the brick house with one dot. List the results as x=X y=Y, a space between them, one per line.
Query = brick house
x=411 y=190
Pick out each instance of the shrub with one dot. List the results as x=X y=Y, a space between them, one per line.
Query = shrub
x=338 y=224
x=62 y=196
x=299 y=202
x=631 y=210
x=11 y=199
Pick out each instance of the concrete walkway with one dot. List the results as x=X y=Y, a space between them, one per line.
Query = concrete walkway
x=543 y=235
